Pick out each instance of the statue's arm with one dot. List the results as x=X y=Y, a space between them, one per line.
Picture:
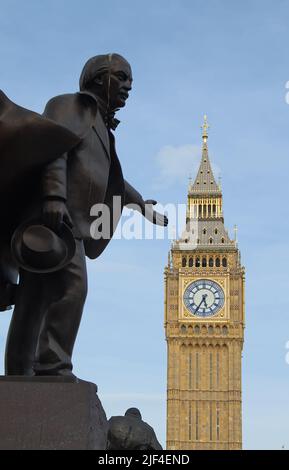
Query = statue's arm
x=54 y=176
x=74 y=112
x=135 y=200
x=54 y=182
x=132 y=196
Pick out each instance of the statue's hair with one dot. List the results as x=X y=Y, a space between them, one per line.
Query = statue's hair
x=133 y=412
x=96 y=66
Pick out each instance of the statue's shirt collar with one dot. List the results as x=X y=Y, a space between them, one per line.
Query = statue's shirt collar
x=109 y=120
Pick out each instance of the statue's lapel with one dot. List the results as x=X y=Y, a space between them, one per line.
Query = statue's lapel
x=101 y=131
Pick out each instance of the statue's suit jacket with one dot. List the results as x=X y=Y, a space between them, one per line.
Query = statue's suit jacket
x=91 y=172
x=28 y=142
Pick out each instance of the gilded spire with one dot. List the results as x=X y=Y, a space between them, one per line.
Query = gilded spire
x=204 y=215
x=205 y=181
x=205 y=127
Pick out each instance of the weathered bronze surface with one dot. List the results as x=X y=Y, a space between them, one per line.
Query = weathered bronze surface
x=69 y=180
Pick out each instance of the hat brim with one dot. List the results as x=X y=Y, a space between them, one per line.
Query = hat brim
x=66 y=235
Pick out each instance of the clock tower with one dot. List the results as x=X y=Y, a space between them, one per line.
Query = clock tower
x=204 y=324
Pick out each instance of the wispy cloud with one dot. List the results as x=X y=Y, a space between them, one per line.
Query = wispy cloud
x=176 y=164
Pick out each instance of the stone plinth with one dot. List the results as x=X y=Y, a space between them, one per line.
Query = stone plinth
x=50 y=413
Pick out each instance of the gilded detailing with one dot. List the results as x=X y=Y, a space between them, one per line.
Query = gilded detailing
x=204 y=341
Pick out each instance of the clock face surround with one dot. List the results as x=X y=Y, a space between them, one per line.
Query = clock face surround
x=204 y=298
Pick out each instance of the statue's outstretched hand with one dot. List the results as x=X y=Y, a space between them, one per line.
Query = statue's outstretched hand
x=54 y=213
x=152 y=215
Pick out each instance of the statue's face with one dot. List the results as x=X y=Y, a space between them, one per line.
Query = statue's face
x=114 y=87
x=120 y=83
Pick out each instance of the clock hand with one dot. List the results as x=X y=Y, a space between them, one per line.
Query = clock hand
x=203 y=300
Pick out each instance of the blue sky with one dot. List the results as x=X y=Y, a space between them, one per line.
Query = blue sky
x=189 y=57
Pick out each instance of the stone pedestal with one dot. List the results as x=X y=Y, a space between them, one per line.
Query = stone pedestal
x=50 y=413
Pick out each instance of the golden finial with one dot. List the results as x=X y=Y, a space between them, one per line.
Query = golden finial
x=205 y=128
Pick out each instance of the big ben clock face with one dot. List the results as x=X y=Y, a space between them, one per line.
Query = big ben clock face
x=204 y=298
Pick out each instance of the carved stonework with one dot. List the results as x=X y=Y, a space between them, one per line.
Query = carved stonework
x=204 y=352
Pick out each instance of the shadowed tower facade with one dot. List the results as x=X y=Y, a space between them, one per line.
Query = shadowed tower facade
x=204 y=323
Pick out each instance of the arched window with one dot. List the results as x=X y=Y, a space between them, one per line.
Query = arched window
x=200 y=210
x=211 y=241
x=214 y=209
x=218 y=330
x=223 y=240
x=218 y=263
x=224 y=262
x=197 y=329
x=191 y=262
x=183 y=329
x=198 y=263
x=184 y=262
x=225 y=330
x=204 y=262
x=204 y=231
x=210 y=329
x=211 y=262
x=209 y=210
x=216 y=231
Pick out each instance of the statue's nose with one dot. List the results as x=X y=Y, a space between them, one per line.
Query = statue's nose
x=128 y=85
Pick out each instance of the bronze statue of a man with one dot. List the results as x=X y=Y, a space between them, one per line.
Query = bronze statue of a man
x=48 y=306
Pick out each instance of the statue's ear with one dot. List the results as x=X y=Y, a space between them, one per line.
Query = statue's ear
x=98 y=80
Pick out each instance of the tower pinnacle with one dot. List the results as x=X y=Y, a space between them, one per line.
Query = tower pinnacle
x=205 y=182
x=205 y=128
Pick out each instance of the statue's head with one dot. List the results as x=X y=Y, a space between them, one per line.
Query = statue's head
x=135 y=412
x=108 y=77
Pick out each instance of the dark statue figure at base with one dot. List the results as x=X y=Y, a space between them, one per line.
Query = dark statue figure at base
x=130 y=432
x=54 y=169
